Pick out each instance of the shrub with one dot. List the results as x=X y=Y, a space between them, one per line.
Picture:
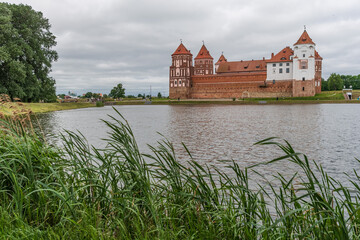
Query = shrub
x=99 y=104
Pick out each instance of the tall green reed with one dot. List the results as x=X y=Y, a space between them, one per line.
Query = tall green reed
x=80 y=191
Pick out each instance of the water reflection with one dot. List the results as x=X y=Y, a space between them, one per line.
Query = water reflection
x=326 y=133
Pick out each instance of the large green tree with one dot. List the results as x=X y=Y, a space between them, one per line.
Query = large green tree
x=335 y=82
x=26 y=54
x=117 y=92
x=351 y=80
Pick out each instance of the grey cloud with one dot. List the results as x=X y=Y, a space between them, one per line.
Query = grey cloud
x=104 y=42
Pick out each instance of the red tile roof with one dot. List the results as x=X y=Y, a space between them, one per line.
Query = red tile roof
x=203 y=53
x=283 y=55
x=242 y=66
x=317 y=56
x=221 y=59
x=181 y=50
x=304 y=39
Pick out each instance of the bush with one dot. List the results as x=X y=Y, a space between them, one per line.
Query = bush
x=99 y=104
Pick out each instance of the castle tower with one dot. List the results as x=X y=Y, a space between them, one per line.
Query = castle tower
x=221 y=59
x=304 y=66
x=203 y=62
x=181 y=71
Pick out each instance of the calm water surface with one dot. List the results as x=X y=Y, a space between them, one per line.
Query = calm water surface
x=327 y=133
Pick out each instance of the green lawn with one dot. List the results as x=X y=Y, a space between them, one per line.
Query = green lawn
x=10 y=108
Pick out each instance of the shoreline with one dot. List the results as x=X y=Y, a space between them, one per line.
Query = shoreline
x=231 y=102
x=15 y=108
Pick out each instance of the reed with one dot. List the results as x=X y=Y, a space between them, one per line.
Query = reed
x=79 y=191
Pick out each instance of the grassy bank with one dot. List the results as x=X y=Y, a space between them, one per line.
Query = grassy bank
x=323 y=97
x=80 y=192
x=13 y=107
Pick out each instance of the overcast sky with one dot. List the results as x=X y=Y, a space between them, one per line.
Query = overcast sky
x=105 y=42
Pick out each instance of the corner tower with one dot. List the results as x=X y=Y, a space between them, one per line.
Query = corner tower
x=304 y=66
x=203 y=62
x=181 y=71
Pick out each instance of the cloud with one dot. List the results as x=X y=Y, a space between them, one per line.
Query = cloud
x=104 y=42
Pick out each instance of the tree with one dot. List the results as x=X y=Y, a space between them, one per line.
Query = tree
x=117 y=92
x=335 y=82
x=88 y=95
x=26 y=54
x=351 y=80
x=324 y=85
x=159 y=95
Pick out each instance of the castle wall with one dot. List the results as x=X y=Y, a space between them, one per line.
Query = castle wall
x=239 y=86
x=179 y=92
x=303 y=88
x=279 y=70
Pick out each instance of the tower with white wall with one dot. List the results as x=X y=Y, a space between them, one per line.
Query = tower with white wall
x=304 y=66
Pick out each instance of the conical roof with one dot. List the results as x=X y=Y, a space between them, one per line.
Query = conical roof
x=221 y=59
x=181 y=50
x=304 y=39
x=203 y=53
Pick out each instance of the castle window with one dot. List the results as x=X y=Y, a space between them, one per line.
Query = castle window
x=280 y=64
x=283 y=58
x=175 y=83
x=303 y=55
x=274 y=64
x=303 y=64
x=179 y=83
x=274 y=81
x=303 y=88
x=287 y=70
x=303 y=78
x=280 y=70
x=287 y=64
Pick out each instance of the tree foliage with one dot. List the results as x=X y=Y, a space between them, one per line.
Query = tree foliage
x=351 y=80
x=117 y=92
x=88 y=95
x=26 y=54
x=335 y=82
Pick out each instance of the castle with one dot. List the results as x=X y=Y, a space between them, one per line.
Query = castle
x=290 y=73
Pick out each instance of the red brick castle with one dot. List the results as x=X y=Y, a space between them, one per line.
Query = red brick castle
x=290 y=73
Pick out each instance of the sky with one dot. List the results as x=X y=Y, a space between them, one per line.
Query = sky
x=105 y=42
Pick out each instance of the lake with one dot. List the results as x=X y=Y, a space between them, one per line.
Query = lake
x=326 y=133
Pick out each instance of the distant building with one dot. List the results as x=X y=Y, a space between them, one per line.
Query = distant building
x=290 y=73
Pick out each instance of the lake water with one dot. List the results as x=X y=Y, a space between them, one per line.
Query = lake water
x=326 y=133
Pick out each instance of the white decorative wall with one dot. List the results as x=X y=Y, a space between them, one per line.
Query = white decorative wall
x=304 y=52
x=273 y=72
